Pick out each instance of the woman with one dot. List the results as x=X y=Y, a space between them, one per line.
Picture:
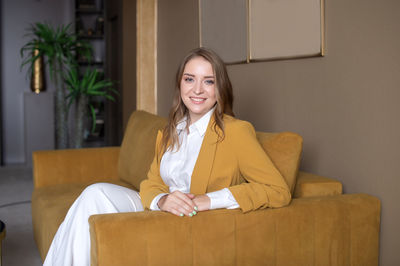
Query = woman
x=205 y=159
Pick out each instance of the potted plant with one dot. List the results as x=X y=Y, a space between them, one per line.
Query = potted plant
x=59 y=46
x=80 y=92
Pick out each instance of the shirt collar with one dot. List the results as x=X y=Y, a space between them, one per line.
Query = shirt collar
x=200 y=125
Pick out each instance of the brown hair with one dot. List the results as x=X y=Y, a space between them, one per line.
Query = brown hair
x=223 y=94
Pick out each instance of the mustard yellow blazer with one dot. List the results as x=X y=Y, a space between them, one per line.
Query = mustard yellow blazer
x=238 y=162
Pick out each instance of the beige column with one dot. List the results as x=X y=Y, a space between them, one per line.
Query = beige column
x=147 y=55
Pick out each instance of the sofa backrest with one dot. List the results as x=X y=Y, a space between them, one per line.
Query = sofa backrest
x=138 y=147
x=284 y=149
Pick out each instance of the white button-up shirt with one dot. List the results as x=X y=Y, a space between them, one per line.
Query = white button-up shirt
x=176 y=167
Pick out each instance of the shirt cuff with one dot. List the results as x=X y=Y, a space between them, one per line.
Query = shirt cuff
x=154 y=202
x=222 y=199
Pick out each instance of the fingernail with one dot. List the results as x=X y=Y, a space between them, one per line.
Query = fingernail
x=194 y=212
x=195 y=208
x=181 y=215
x=190 y=214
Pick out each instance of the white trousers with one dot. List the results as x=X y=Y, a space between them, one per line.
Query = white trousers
x=71 y=244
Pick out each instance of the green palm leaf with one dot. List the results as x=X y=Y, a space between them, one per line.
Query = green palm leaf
x=57 y=44
x=90 y=86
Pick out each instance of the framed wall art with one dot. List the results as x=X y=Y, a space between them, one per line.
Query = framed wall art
x=260 y=30
x=285 y=29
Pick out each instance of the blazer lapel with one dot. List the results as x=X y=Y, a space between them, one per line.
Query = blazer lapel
x=202 y=169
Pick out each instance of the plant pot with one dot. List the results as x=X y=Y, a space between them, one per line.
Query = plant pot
x=80 y=115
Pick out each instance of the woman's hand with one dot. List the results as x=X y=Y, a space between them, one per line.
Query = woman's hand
x=202 y=202
x=178 y=203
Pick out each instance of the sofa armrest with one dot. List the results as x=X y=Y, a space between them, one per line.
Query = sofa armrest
x=311 y=185
x=310 y=231
x=55 y=167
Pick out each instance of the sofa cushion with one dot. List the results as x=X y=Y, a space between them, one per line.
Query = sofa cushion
x=284 y=149
x=138 y=147
x=311 y=185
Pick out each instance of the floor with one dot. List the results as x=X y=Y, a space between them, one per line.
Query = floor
x=18 y=247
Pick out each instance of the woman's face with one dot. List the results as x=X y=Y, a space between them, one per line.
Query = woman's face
x=198 y=87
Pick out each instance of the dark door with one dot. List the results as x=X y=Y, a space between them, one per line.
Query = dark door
x=113 y=130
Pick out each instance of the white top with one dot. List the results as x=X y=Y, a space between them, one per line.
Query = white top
x=176 y=167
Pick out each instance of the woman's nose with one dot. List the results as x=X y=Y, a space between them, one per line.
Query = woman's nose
x=198 y=88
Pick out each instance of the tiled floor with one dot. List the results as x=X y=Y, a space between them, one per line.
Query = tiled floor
x=18 y=248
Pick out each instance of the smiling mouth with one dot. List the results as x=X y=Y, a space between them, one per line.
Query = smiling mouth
x=197 y=100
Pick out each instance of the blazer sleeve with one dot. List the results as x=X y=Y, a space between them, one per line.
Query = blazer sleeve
x=153 y=185
x=264 y=186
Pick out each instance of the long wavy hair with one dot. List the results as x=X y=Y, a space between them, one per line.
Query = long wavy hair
x=223 y=93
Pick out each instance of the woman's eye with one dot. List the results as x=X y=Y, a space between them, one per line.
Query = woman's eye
x=209 y=82
x=188 y=79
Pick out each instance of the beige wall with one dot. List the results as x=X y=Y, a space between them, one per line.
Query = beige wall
x=345 y=105
x=177 y=35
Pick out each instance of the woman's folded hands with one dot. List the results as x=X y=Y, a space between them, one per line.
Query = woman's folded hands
x=182 y=204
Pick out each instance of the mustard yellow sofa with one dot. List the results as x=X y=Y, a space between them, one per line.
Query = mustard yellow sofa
x=321 y=226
